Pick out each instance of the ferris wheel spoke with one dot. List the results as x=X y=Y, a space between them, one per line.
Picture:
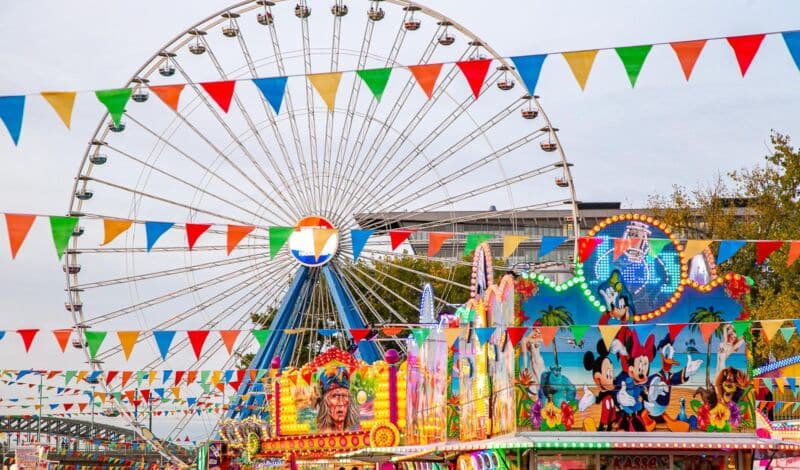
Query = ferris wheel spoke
x=418 y=273
x=364 y=302
x=359 y=281
x=311 y=120
x=375 y=276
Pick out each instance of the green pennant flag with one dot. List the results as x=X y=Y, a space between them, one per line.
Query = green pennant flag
x=260 y=374
x=261 y=336
x=656 y=246
x=578 y=332
x=206 y=387
x=140 y=375
x=787 y=332
x=69 y=375
x=376 y=80
x=632 y=58
x=475 y=239
x=204 y=374
x=117 y=395
x=114 y=101
x=278 y=236
x=94 y=339
x=420 y=335
x=740 y=326
x=62 y=228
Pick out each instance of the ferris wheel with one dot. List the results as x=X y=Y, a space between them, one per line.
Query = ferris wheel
x=311 y=165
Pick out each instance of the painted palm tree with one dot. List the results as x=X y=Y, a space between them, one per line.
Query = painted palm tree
x=555 y=316
x=706 y=315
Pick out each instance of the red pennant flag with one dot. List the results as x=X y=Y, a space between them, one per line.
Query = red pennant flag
x=53 y=373
x=426 y=76
x=399 y=236
x=707 y=329
x=745 y=48
x=688 y=52
x=68 y=406
x=178 y=376
x=515 y=333
x=146 y=395
x=307 y=376
x=586 y=246
x=794 y=253
x=359 y=333
x=436 y=240
x=475 y=72
x=18 y=226
x=220 y=92
x=62 y=336
x=240 y=375
x=621 y=245
x=169 y=94
x=27 y=337
x=236 y=233
x=197 y=338
x=193 y=232
x=126 y=375
x=675 y=329
x=548 y=334
x=229 y=338
x=110 y=375
x=764 y=248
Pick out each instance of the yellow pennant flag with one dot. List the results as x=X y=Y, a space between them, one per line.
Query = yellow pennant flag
x=81 y=375
x=127 y=339
x=580 y=62
x=694 y=247
x=511 y=242
x=609 y=332
x=451 y=335
x=326 y=84
x=62 y=103
x=770 y=327
x=151 y=377
x=321 y=237
x=101 y=396
x=176 y=393
x=113 y=228
x=781 y=383
x=215 y=377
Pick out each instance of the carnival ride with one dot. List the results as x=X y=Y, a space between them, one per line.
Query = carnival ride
x=304 y=167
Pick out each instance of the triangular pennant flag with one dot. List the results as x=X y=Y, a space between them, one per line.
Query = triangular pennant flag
x=484 y=334
x=112 y=228
x=728 y=248
x=764 y=248
x=221 y=92
x=586 y=246
x=169 y=94
x=235 y=234
x=426 y=76
x=436 y=240
x=359 y=238
x=475 y=72
x=94 y=339
x=154 y=231
x=321 y=237
x=787 y=332
x=707 y=329
x=193 y=232
x=62 y=337
x=578 y=332
x=27 y=336
x=359 y=334
x=261 y=336
x=609 y=332
x=794 y=252
x=376 y=80
x=326 y=84
x=127 y=339
x=633 y=58
x=580 y=62
x=68 y=376
x=197 y=338
x=228 y=339
x=190 y=376
x=451 y=335
x=516 y=333
x=675 y=329
x=741 y=326
x=475 y=239
x=621 y=245
x=549 y=244
x=62 y=229
x=657 y=245
x=511 y=243
x=399 y=236
x=164 y=341
x=529 y=67
x=114 y=101
x=273 y=89
x=694 y=247
x=770 y=327
x=126 y=376
x=12 y=109
x=420 y=335
x=18 y=226
x=391 y=330
x=278 y=236
x=165 y=375
x=110 y=375
x=62 y=103
x=688 y=52
x=792 y=40
x=327 y=331
x=548 y=333
x=745 y=49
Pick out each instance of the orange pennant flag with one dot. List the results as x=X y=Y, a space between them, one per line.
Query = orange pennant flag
x=127 y=339
x=580 y=62
x=326 y=84
x=688 y=52
x=436 y=240
x=321 y=237
x=548 y=334
x=229 y=338
x=426 y=76
x=126 y=375
x=451 y=335
x=511 y=243
x=694 y=247
x=62 y=336
x=113 y=228
x=169 y=94
x=707 y=329
x=18 y=226
x=235 y=235
x=621 y=245
x=392 y=330
x=794 y=252
x=62 y=103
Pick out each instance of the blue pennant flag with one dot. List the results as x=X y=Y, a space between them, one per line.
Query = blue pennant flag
x=2 y=334
x=92 y=378
x=549 y=244
x=359 y=239
x=529 y=67
x=792 y=40
x=155 y=230
x=327 y=331
x=11 y=110
x=484 y=334
x=159 y=392
x=165 y=376
x=53 y=406
x=59 y=390
x=728 y=248
x=164 y=340
x=23 y=373
x=228 y=376
x=190 y=401
x=273 y=89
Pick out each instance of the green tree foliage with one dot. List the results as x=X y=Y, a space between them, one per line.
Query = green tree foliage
x=706 y=315
x=756 y=203
x=555 y=316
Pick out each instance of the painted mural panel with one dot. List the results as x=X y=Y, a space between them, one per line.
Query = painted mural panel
x=500 y=301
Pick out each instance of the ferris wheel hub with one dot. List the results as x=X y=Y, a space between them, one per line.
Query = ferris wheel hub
x=314 y=241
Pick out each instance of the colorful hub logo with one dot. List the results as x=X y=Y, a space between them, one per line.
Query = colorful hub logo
x=314 y=241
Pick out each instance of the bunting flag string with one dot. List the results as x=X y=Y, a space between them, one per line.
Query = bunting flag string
x=529 y=68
